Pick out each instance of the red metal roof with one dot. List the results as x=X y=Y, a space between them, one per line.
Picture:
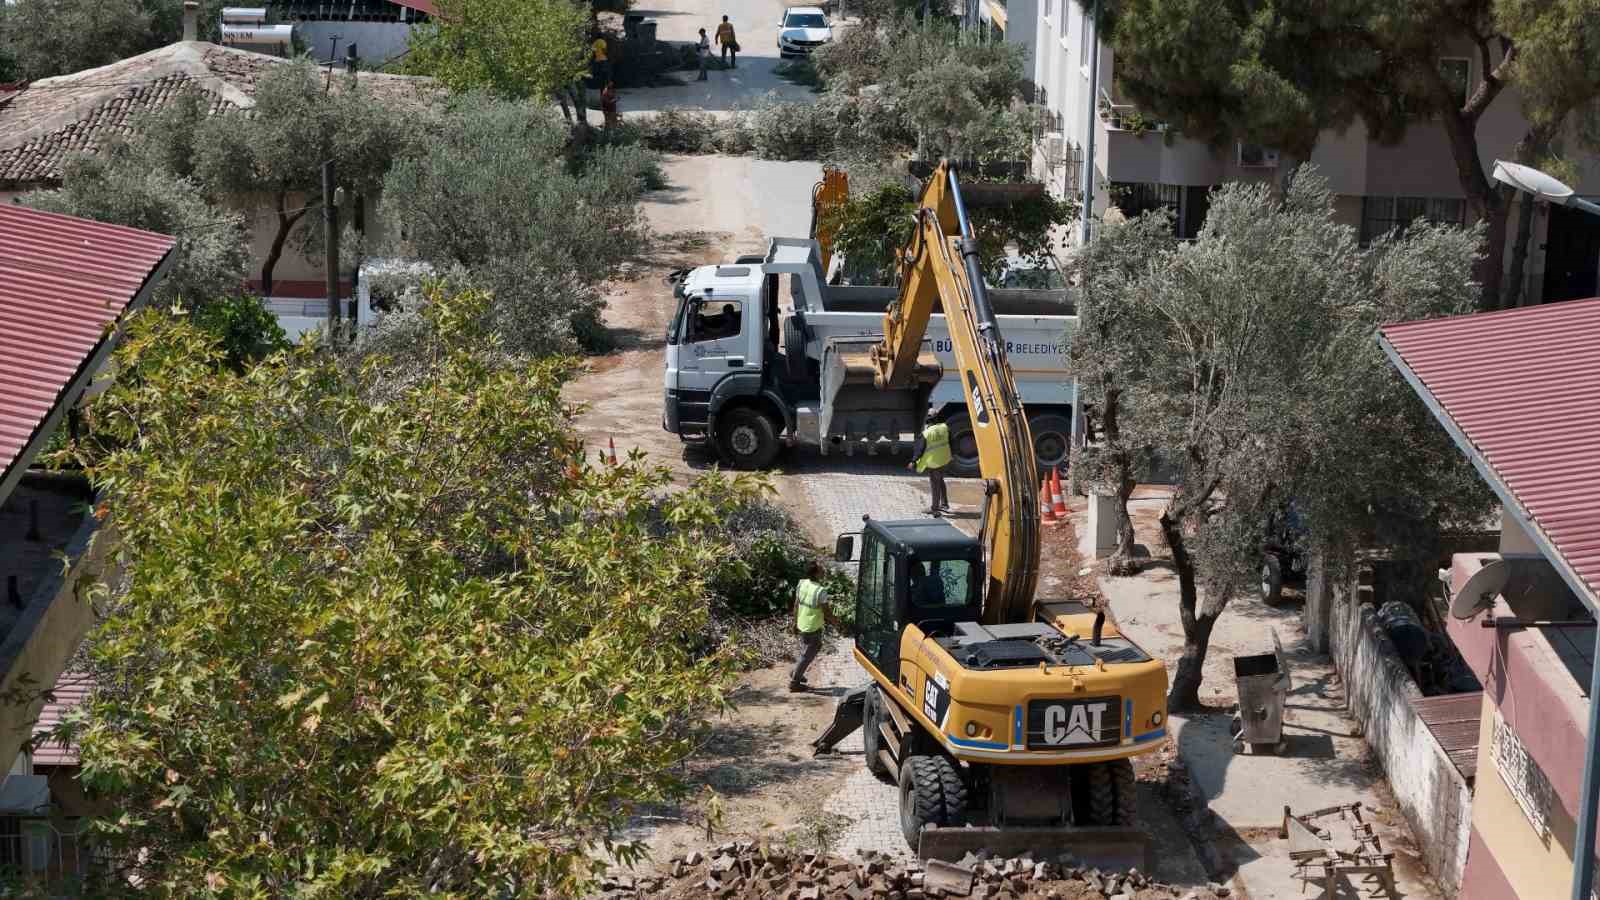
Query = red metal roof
x=426 y=6
x=63 y=280
x=1520 y=389
x=71 y=689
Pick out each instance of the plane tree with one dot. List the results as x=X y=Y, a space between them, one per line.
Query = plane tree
x=379 y=640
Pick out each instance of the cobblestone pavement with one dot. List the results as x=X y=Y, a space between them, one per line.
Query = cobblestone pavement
x=839 y=498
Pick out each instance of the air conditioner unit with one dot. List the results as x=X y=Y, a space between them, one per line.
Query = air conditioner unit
x=1255 y=156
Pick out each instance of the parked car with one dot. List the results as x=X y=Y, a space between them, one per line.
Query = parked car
x=1041 y=273
x=803 y=29
x=1283 y=561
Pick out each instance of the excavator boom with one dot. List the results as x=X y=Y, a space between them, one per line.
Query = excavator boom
x=940 y=269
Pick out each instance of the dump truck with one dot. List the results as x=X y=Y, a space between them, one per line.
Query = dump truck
x=761 y=351
x=1008 y=721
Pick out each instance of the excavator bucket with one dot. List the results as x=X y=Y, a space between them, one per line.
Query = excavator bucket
x=846 y=719
x=1104 y=848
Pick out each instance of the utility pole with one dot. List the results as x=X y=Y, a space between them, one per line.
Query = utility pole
x=1085 y=213
x=330 y=227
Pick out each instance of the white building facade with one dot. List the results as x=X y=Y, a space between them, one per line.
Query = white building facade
x=1140 y=164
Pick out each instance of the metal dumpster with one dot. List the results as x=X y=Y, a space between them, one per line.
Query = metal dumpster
x=1263 y=684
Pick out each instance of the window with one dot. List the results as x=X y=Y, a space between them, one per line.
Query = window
x=1188 y=204
x=804 y=20
x=1083 y=41
x=1381 y=215
x=714 y=320
x=877 y=631
x=1522 y=776
x=1457 y=72
x=940 y=584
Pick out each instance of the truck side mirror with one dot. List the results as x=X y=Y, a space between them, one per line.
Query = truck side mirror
x=844 y=548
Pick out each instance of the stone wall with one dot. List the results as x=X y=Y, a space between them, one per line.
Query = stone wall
x=1430 y=791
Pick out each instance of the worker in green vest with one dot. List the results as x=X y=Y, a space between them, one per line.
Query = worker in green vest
x=931 y=453
x=810 y=613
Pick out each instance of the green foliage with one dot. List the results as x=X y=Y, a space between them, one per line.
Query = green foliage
x=246 y=331
x=381 y=642
x=211 y=257
x=521 y=49
x=762 y=555
x=43 y=38
x=871 y=228
x=494 y=193
x=1248 y=357
x=799 y=71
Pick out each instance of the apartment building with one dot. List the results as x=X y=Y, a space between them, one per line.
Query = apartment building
x=1140 y=164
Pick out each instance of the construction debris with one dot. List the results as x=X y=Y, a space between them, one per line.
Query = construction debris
x=746 y=870
x=1350 y=849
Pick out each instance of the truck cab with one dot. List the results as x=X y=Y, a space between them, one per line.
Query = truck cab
x=719 y=385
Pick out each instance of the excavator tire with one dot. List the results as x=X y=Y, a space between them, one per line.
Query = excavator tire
x=1102 y=795
x=932 y=792
x=1126 y=788
x=871 y=737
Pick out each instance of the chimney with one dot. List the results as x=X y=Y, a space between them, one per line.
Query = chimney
x=191 y=20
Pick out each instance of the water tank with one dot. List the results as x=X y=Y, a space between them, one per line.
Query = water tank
x=244 y=15
x=257 y=35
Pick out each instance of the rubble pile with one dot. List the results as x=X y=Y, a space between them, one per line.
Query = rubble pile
x=746 y=870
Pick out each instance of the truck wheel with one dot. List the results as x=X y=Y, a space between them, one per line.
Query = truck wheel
x=932 y=792
x=1126 y=788
x=746 y=439
x=871 y=737
x=963 y=446
x=1271 y=580
x=794 y=351
x=1052 y=439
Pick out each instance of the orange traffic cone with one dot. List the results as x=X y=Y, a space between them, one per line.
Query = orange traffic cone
x=613 y=443
x=1058 y=501
x=1047 y=512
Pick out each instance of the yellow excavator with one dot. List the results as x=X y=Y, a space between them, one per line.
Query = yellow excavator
x=1008 y=721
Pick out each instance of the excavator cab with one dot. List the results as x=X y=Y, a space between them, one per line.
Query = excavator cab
x=923 y=572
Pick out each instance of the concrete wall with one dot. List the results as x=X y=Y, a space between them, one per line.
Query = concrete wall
x=47 y=633
x=376 y=42
x=1509 y=857
x=1431 y=793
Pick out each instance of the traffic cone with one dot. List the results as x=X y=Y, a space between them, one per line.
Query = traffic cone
x=1058 y=501
x=613 y=443
x=1047 y=512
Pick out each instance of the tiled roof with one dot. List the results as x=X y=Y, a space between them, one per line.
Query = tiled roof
x=71 y=689
x=1519 y=390
x=45 y=122
x=63 y=282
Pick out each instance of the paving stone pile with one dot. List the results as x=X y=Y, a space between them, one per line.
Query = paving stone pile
x=745 y=870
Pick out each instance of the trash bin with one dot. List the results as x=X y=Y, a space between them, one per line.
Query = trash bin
x=1263 y=685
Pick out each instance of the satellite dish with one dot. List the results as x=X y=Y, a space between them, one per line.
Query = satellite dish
x=1491 y=581
x=1532 y=181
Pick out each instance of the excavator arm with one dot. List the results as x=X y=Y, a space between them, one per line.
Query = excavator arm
x=940 y=269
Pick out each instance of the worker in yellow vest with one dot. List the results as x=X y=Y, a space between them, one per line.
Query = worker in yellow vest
x=810 y=613
x=931 y=454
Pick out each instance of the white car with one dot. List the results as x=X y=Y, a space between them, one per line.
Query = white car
x=803 y=29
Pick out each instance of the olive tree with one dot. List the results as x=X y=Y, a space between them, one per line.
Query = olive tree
x=495 y=194
x=1247 y=358
x=378 y=642
x=211 y=257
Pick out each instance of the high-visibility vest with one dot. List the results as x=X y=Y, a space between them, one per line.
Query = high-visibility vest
x=808 y=606
x=599 y=49
x=937 y=452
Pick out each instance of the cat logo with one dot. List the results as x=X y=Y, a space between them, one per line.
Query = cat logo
x=1074 y=723
x=980 y=412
